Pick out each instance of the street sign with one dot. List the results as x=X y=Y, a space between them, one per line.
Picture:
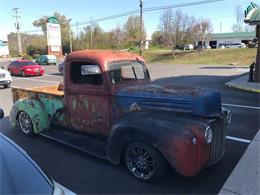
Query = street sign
x=53 y=20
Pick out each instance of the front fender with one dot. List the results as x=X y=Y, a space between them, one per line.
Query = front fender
x=36 y=111
x=147 y=127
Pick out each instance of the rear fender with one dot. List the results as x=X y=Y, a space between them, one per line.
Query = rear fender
x=36 y=111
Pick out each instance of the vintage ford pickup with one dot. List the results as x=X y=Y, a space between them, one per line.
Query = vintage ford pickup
x=109 y=108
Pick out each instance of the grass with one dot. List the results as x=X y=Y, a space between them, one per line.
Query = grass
x=243 y=56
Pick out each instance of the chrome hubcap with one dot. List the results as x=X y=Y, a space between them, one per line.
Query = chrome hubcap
x=25 y=122
x=140 y=163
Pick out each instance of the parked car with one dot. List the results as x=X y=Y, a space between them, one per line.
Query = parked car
x=21 y=175
x=5 y=78
x=25 y=68
x=47 y=59
x=109 y=108
x=61 y=68
x=188 y=47
x=1 y=113
x=236 y=45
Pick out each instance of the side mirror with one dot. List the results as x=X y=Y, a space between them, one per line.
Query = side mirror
x=90 y=70
x=1 y=113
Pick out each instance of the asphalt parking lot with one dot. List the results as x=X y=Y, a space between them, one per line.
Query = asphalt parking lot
x=85 y=174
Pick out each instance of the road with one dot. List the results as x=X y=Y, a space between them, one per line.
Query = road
x=85 y=174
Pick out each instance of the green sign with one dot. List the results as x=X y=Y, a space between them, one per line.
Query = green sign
x=250 y=8
x=53 y=20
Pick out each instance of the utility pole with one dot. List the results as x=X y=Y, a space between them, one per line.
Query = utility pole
x=17 y=26
x=90 y=32
x=141 y=25
x=77 y=30
x=70 y=36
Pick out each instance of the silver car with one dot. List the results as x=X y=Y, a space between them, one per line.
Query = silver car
x=61 y=68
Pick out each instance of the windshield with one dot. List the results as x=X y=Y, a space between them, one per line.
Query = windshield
x=28 y=63
x=120 y=72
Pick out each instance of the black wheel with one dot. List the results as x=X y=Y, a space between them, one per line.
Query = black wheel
x=144 y=162
x=23 y=74
x=7 y=85
x=25 y=123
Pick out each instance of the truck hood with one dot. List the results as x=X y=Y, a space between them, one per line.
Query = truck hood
x=150 y=97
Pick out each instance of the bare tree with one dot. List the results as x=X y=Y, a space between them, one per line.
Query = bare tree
x=204 y=30
x=166 y=27
x=239 y=14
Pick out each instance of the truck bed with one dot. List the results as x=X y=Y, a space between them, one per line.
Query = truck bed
x=55 y=90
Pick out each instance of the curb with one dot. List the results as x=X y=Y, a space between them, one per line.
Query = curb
x=245 y=179
x=246 y=88
x=242 y=83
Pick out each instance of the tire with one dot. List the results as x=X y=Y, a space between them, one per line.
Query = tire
x=23 y=74
x=144 y=162
x=61 y=71
x=7 y=85
x=25 y=123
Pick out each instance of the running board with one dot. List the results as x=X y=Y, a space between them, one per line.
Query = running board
x=80 y=142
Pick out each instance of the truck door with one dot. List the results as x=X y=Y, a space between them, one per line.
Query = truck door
x=87 y=97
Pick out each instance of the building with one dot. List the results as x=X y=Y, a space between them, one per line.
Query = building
x=4 y=49
x=222 y=39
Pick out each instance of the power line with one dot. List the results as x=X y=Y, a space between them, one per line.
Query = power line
x=148 y=10
x=138 y=10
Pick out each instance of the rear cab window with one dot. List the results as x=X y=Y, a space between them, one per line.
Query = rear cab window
x=124 y=71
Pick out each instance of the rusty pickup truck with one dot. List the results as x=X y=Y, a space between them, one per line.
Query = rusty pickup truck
x=108 y=107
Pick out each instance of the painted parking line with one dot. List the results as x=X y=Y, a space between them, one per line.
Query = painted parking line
x=39 y=80
x=238 y=139
x=241 y=106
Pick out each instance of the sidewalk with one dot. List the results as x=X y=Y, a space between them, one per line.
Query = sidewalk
x=242 y=83
x=245 y=178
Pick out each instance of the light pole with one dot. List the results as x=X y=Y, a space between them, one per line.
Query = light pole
x=141 y=25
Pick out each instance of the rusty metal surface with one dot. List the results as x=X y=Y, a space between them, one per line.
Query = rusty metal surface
x=103 y=57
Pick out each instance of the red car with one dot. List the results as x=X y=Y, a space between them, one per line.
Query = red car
x=25 y=68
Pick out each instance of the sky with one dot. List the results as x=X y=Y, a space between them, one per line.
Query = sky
x=219 y=13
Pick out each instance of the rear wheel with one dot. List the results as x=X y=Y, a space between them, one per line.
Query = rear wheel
x=23 y=74
x=25 y=123
x=144 y=162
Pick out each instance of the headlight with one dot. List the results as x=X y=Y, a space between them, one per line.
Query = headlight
x=208 y=135
x=29 y=69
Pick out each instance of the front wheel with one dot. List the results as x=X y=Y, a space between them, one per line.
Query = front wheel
x=7 y=85
x=144 y=162
x=25 y=123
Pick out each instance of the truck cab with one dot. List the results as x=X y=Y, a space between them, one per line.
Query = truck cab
x=108 y=107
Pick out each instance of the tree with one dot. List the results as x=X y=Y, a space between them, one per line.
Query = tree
x=132 y=30
x=239 y=14
x=204 y=29
x=166 y=27
x=116 y=37
x=257 y=66
x=64 y=24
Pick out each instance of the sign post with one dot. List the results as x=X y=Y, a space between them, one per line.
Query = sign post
x=53 y=37
x=252 y=17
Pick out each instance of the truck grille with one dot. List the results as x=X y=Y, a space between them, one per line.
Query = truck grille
x=2 y=75
x=218 y=141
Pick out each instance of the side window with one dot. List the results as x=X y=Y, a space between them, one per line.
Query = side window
x=85 y=73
